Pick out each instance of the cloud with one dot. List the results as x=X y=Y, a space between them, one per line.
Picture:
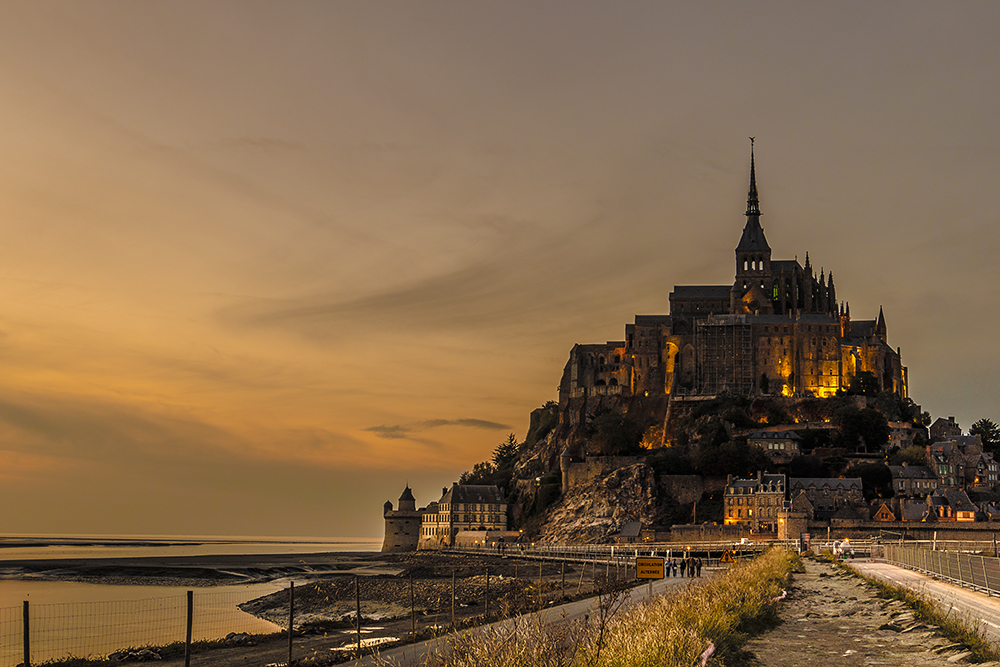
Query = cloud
x=399 y=431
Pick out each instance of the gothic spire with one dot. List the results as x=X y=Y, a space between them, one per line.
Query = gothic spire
x=753 y=239
x=753 y=207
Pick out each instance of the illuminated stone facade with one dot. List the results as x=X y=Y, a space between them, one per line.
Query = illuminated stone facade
x=754 y=502
x=778 y=329
x=463 y=507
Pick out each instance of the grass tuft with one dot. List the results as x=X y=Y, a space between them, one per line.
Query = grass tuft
x=673 y=630
x=959 y=629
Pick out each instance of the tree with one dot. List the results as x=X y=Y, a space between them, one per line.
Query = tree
x=988 y=432
x=864 y=383
x=914 y=455
x=765 y=384
x=614 y=432
x=505 y=455
x=876 y=479
x=858 y=426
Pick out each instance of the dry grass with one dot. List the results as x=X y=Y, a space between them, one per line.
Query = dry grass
x=959 y=629
x=670 y=630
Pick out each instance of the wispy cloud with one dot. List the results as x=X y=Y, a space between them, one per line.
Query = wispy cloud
x=398 y=431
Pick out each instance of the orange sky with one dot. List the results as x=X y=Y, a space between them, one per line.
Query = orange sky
x=262 y=264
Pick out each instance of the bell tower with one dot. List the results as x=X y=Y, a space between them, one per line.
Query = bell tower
x=753 y=254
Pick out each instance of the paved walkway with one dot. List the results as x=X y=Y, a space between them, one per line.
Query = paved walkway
x=975 y=605
x=413 y=654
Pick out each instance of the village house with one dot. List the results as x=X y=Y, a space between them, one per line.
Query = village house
x=913 y=481
x=754 y=502
x=779 y=446
x=463 y=508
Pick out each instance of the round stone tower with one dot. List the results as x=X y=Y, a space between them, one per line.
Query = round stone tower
x=402 y=526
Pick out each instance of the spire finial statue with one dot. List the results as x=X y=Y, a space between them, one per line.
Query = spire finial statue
x=753 y=206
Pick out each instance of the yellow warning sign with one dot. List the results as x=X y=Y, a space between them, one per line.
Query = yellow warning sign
x=648 y=568
x=727 y=557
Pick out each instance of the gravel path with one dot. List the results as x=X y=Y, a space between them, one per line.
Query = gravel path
x=833 y=618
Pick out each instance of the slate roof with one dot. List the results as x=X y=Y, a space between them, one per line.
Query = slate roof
x=753 y=236
x=786 y=265
x=912 y=472
x=652 y=320
x=746 y=486
x=472 y=493
x=774 y=435
x=820 y=482
x=701 y=291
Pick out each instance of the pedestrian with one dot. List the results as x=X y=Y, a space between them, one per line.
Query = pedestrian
x=697 y=566
x=683 y=566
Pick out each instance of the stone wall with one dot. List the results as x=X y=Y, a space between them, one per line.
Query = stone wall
x=683 y=488
x=709 y=532
x=402 y=531
x=593 y=468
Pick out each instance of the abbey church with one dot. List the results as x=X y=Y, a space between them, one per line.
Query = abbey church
x=778 y=329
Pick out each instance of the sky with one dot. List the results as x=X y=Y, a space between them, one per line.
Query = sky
x=263 y=264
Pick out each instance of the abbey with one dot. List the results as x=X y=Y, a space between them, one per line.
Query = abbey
x=778 y=329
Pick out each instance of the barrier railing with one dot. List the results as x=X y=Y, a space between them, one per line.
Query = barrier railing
x=35 y=633
x=967 y=569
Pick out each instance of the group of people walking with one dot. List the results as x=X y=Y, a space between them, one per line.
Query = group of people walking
x=692 y=566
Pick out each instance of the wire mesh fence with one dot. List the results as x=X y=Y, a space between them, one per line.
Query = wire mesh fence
x=425 y=605
x=98 y=629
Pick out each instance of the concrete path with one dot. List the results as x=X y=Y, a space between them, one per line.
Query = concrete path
x=977 y=606
x=413 y=654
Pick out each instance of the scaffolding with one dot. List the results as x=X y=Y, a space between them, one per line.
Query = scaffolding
x=724 y=350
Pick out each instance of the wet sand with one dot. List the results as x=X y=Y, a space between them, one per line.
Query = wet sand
x=202 y=570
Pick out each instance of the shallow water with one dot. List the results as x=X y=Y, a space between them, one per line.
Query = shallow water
x=82 y=619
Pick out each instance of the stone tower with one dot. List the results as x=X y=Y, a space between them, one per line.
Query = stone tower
x=402 y=526
x=752 y=288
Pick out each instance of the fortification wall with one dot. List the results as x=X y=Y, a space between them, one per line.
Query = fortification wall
x=710 y=532
x=402 y=531
x=594 y=468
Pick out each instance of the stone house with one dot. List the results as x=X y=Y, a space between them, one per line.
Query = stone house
x=913 y=481
x=943 y=429
x=951 y=505
x=754 y=502
x=827 y=495
x=904 y=434
x=779 y=446
x=881 y=511
x=463 y=507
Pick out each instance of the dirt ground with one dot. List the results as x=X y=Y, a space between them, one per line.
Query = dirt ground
x=834 y=618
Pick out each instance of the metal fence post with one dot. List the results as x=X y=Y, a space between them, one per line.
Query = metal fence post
x=539 y=585
x=413 y=610
x=190 y=618
x=487 y=614
x=291 y=618
x=453 y=599
x=27 y=636
x=357 y=609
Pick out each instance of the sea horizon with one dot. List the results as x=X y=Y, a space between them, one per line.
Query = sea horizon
x=37 y=546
